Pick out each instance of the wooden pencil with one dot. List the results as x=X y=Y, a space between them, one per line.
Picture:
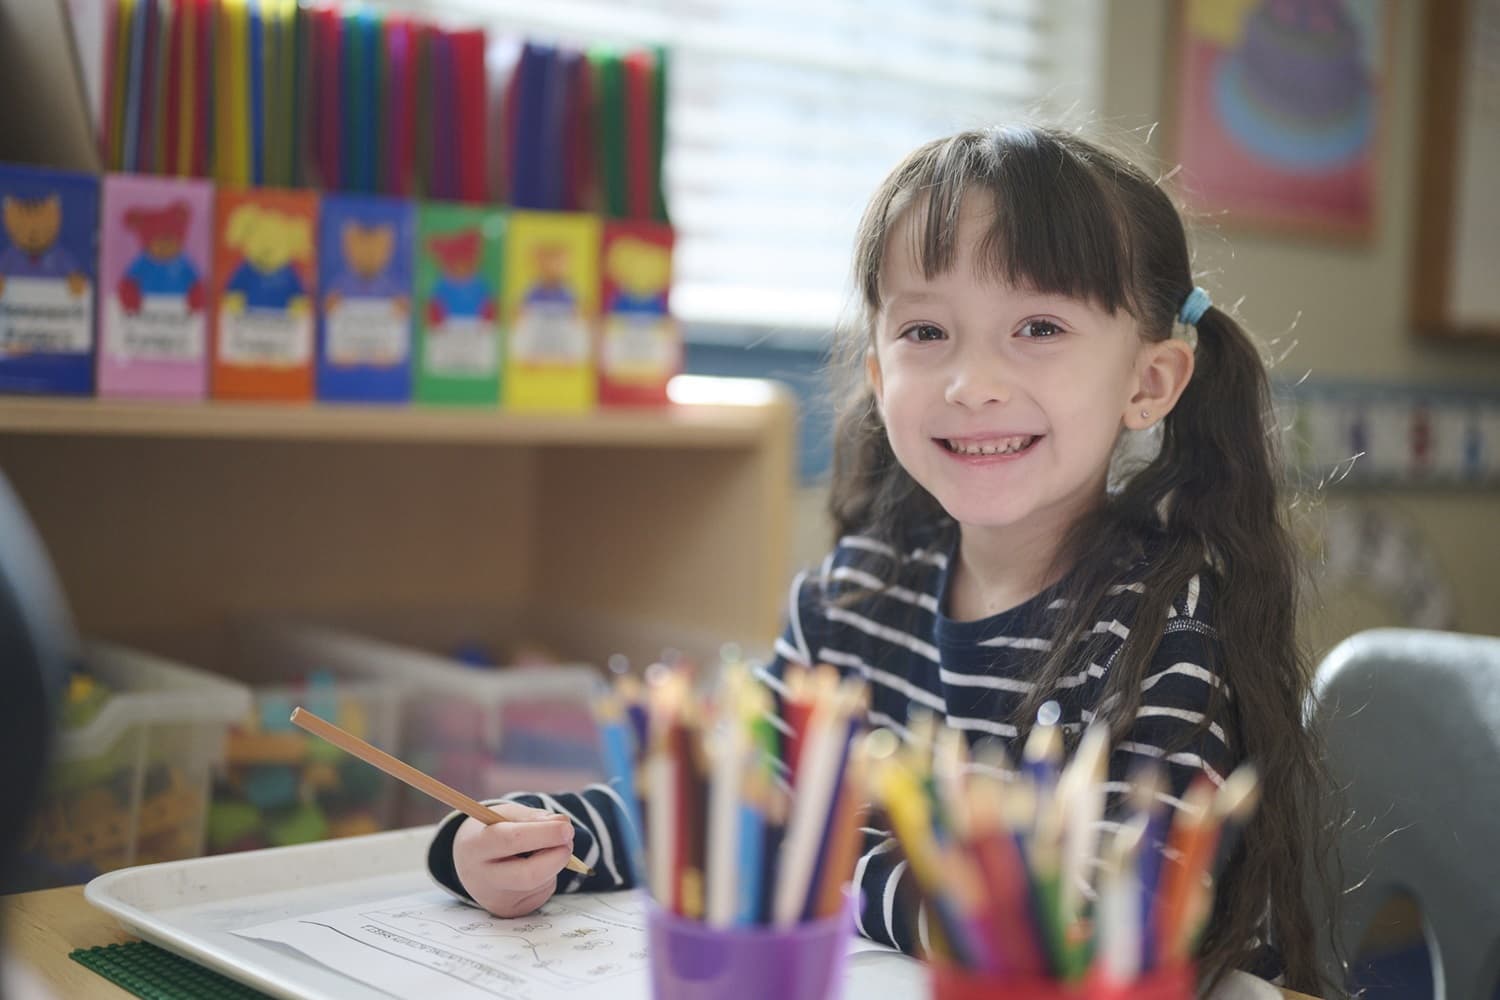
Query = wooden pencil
x=403 y=771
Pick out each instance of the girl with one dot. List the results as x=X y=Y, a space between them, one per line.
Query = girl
x=1028 y=314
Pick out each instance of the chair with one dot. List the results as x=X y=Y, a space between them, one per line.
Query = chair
x=1412 y=723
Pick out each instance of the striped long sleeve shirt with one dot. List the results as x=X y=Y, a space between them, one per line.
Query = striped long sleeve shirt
x=972 y=674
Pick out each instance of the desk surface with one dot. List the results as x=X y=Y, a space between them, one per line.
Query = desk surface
x=41 y=928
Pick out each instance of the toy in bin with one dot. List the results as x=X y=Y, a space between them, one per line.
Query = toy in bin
x=282 y=787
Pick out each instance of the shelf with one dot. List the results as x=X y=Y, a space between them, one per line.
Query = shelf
x=674 y=425
x=171 y=517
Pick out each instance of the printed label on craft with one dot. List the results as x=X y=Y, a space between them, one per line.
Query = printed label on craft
x=550 y=335
x=45 y=316
x=269 y=337
x=367 y=332
x=639 y=346
x=464 y=347
x=162 y=329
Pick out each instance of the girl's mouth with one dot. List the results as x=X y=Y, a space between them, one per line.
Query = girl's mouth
x=990 y=447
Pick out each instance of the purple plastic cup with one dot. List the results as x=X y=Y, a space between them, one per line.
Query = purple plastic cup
x=692 y=961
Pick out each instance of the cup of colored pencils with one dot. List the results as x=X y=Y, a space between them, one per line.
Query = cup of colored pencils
x=1028 y=894
x=751 y=829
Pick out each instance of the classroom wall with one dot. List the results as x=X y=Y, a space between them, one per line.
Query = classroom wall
x=1346 y=306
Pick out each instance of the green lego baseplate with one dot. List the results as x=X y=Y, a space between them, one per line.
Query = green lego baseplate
x=157 y=974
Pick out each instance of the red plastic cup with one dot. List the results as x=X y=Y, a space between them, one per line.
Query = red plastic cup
x=693 y=961
x=949 y=983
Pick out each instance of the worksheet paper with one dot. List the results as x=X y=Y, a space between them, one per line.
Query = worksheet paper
x=429 y=944
x=576 y=947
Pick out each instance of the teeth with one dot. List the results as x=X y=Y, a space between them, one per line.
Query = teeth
x=996 y=446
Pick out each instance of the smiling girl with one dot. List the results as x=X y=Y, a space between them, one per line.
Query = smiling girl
x=1029 y=315
x=1029 y=322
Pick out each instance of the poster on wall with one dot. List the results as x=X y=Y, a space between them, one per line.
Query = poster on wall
x=1276 y=109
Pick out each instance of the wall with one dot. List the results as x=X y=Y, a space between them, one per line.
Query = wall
x=1346 y=306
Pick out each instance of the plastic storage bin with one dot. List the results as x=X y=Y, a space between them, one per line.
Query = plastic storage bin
x=131 y=771
x=486 y=730
x=280 y=785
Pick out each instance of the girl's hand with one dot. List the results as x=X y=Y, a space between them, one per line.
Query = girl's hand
x=511 y=868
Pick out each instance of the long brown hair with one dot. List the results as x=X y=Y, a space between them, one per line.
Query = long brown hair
x=1074 y=219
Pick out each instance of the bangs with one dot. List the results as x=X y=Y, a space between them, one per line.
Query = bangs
x=1056 y=228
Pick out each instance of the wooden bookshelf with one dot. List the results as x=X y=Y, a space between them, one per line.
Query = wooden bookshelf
x=182 y=517
x=673 y=426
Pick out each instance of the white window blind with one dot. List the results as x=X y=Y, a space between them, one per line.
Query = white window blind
x=783 y=116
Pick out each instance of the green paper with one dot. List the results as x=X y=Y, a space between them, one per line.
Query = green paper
x=661 y=134
x=609 y=88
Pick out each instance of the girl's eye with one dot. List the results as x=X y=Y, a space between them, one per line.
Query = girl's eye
x=923 y=332
x=1039 y=329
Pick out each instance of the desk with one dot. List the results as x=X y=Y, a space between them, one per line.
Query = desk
x=43 y=927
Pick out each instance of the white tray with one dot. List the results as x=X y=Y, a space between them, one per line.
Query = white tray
x=190 y=907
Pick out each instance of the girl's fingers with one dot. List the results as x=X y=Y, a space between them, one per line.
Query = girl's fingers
x=541 y=868
x=516 y=811
x=502 y=841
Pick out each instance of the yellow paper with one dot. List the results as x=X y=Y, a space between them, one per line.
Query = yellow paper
x=238 y=61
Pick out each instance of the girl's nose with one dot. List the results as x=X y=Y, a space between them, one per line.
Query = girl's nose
x=977 y=381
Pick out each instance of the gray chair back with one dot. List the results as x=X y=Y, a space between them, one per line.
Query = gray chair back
x=1412 y=723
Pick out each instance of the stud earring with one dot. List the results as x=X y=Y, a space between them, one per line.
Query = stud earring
x=1145 y=414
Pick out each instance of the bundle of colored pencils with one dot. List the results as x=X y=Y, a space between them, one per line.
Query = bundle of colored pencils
x=748 y=820
x=1019 y=880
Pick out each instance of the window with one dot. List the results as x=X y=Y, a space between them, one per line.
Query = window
x=783 y=116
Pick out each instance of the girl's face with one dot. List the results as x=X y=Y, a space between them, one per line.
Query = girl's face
x=1003 y=403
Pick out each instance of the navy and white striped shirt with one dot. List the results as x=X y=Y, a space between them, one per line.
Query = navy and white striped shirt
x=973 y=674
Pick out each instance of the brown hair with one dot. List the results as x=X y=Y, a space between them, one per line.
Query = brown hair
x=1076 y=220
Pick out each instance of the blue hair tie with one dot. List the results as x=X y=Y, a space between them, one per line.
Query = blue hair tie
x=1193 y=307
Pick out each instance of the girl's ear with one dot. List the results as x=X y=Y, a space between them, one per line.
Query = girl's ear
x=1162 y=371
x=872 y=372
